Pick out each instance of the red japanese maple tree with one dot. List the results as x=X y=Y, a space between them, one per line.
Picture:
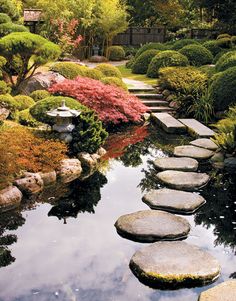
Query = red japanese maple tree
x=112 y=104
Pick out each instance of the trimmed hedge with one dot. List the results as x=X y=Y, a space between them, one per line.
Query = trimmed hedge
x=130 y=63
x=69 y=70
x=168 y=58
x=208 y=70
x=4 y=88
x=140 y=65
x=4 y=18
x=8 y=102
x=197 y=55
x=223 y=35
x=116 y=53
x=157 y=46
x=6 y=28
x=25 y=118
x=39 y=95
x=115 y=81
x=213 y=47
x=226 y=61
x=108 y=70
x=233 y=40
x=94 y=74
x=224 y=43
x=182 y=43
x=24 y=102
x=223 y=89
x=220 y=54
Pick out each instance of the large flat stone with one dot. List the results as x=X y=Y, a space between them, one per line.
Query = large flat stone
x=183 y=180
x=184 y=164
x=168 y=123
x=204 y=143
x=192 y=152
x=152 y=225
x=10 y=198
x=197 y=129
x=171 y=200
x=174 y=264
x=225 y=291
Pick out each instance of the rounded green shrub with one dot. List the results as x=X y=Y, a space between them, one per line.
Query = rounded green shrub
x=116 y=53
x=8 y=102
x=68 y=69
x=39 y=95
x=208 y=70
x=130 y=63
x=213 y=47
x=168 y=58
x=224 y=43
x=8 y=7
x=6 y=28
x=226 y=61
x=220 y=54
x=93 y=73
x=4 y=18
x=223 y=36
x=197 y=55
x=108 y=70
x=25 y=118
x=4 y=88
x=40 y=109
x=140 y=65
x=182 y=43
x=233 y=40
x=145 y=47
x=115 y=81
x=24 y=102
x=223 y=89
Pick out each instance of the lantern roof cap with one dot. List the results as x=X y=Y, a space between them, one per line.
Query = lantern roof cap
x=63 y=111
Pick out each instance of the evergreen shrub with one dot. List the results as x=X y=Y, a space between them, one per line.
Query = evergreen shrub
x=116 y=53
x=39 y=95
x=197 y=55
x=226 y=61
x=108 y=70
x=184 y=42
x=140 y=65
x=157 y=46
x=115 y=81
x=24 y=102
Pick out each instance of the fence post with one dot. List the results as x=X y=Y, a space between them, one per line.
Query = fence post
x=131 y=36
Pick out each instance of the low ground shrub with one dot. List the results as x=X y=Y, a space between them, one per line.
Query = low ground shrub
x=68 y=69
x=115 y=81
x=4 y=88
x=184 y=42
x=157 y=46
x=226 y=61
x=21 y=150
x=116 y=53
x=213 y=47
x=24 y=102
x=223 y=36
x=39 y=95
x=6 y=28
x=223 y=89
x=39 y=110
x=113 y=105
x=168 y=58
x=108 y=70
x=25 y=118
x=4 y=18
x=140 y=65
x=197 y=55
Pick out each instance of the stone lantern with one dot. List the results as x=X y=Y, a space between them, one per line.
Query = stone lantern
x=63 y=121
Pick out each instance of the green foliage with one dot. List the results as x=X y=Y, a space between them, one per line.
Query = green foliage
x=115 y=81
x=224 y=43
x=223 y=89
x=40 y=109
x=213 y=47
x=130 y=63
x=220 y=54
x=233 y=40
x=184 y=42
x=223 y=36
x=116 y=53
x=109 y=70
x=30 y=51
x=4 y=88
x=93 y=73
x=208 y=70
x=168 y=58
x=8 y=102
x=25 y=118
x=8 y=7
x=39 y=95
x=23 y=102
x=4 y=18
x=226 y=61
x=197 y=55
x=140 y=65
x=145 y=47
x=6 y=28
x=69 y=70
x=88 y=134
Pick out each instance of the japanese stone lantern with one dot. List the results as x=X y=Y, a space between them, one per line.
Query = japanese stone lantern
x=63 y=121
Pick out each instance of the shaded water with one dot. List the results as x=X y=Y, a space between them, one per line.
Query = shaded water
x=67 y=248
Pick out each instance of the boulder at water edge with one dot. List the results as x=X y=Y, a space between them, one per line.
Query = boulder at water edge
x=10 y=198
x=225 y=291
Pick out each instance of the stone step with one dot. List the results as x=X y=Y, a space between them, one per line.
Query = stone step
x=149 y=96
x=161 y=109
x=136 y=90
x=197 y=129
x=168 y=123
x=155 y=103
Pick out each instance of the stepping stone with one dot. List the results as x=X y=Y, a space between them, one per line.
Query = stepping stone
x=171 y=265
x=152 y=225
x=193 y=152
x=169 y=123
x=197 y=129
x=183 y=180
x=184 y=164
x=180 y=202
x=225 y=291
x=204 y=143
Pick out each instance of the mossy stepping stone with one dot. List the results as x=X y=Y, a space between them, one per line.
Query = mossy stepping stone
x=171 y=265
x=172 y=200
x=152 y=225
x=204 y=143
x=183 y=164
x=193 y=152
x=183 y=180
x=225 y=291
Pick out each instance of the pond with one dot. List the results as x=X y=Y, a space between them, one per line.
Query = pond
x=67 y=246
